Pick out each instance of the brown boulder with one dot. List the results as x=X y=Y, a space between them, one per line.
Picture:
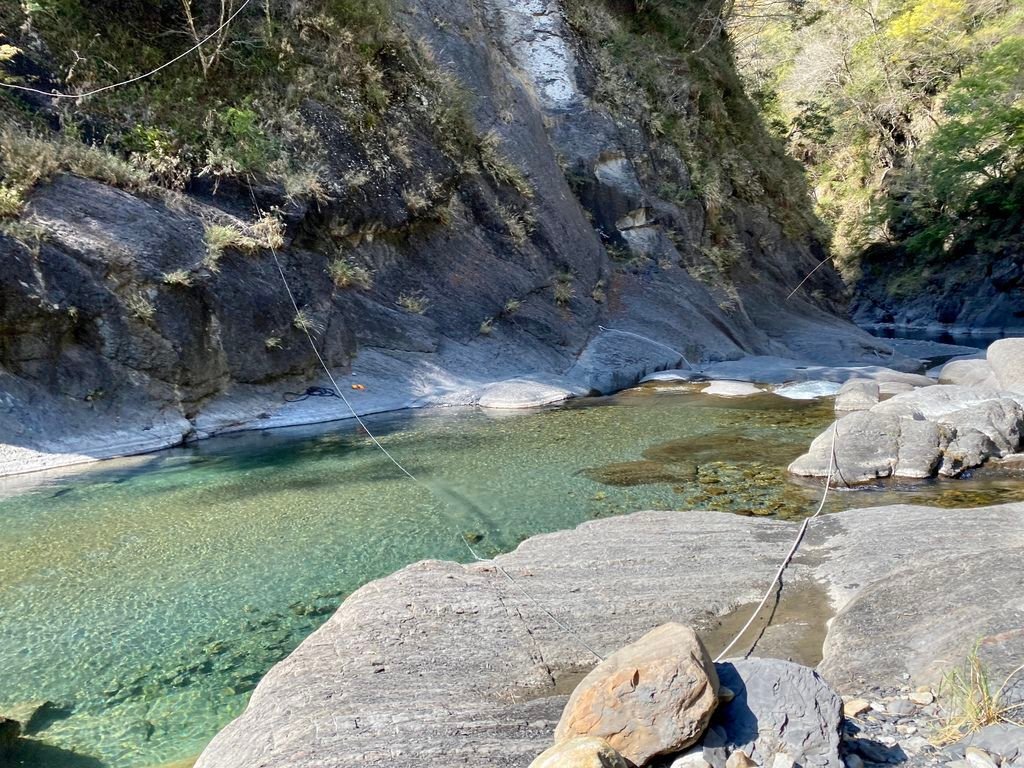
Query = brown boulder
x=653 y=697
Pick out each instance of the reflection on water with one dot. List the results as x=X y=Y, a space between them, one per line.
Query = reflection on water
x=147 y=598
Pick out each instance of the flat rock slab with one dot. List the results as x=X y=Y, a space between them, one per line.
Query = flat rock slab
x=731 y=389
x=916 y=588
x=528 y=393
x=451 y=665
x=808 y=390
x=779 y=708
x=932 y=609
x=447 y=664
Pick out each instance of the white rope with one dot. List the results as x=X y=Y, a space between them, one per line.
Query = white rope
x=137 y=78
x=821 y=263
x=792 y=552
x=323 y=364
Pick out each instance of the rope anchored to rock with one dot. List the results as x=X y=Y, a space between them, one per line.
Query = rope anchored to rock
x=789 y=557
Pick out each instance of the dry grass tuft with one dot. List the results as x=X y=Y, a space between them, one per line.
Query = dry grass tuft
x=345 y=274
x=413 y=302
x=306 y=323
x=500 y=168
x=181 y=277
x=971 y=702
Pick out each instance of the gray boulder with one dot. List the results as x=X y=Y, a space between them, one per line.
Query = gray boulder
x=968 y=373
x=870 y=445
x=857 y=395
x=936 y=430
x=1006 y=358
x=1003 y=739
x=780 y=708
x=528 y=392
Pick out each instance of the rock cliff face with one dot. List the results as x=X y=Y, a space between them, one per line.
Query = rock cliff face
x=117 y=336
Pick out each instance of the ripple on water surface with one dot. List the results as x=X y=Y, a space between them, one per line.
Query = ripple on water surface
x=146 y=600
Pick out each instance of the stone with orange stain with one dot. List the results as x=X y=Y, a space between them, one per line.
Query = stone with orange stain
x=653 y=697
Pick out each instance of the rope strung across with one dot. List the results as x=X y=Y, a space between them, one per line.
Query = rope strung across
x=337 y=391
x=137 y=78
x=789 y=557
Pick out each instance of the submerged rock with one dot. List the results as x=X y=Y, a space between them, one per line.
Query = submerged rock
x=35 y=716
x=780 y=708
x=580 y=752
x=653 y=697
x=630 y=473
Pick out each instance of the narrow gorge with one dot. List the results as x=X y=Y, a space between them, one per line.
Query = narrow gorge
x=489 y=383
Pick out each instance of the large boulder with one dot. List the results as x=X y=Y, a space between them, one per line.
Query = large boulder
x=581 y=752
x=870 y=445
x=779 y=708
x=653 y=697
x=938 y=430
x=1006 y=358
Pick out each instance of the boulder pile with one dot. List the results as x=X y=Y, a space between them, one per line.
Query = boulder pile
x=975 y=413
x=662 y=701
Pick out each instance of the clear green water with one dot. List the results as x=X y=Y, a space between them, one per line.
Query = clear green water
x=147 y=599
